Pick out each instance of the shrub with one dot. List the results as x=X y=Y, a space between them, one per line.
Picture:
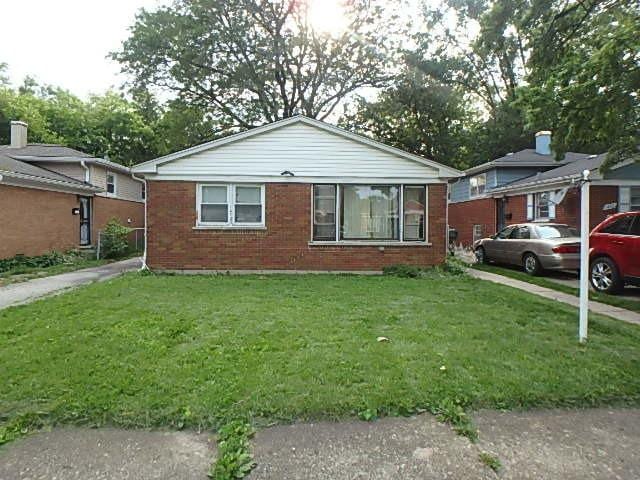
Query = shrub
x=403 y=271
x=41 y=261
x=113 y=240
x=450 y=267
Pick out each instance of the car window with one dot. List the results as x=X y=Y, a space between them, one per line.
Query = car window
x=521 y=233
x=505 y=233
x=621 y=226
x=556 y=231
x=635 y=228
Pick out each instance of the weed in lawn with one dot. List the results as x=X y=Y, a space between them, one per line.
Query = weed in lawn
x=234 y=456
x=454 y=412
x=490 y=461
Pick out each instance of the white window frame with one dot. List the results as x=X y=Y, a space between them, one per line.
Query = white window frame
x=478 y=192
x=400 y=240
x=115 y=183
x=231 y=207
x=477 y=232
x=536 y=206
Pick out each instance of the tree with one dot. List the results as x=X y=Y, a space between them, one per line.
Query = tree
x=586 y=86
x=418 y=115
x=246 y=62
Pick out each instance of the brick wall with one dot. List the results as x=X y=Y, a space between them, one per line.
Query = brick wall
x=464 y=215
x=104 y=209
x=568 y=211
x=284 y=245
x=33 y=222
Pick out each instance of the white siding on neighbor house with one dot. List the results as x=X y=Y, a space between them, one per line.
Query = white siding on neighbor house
x=73 y=170
x=126 y=187
x=303 y=149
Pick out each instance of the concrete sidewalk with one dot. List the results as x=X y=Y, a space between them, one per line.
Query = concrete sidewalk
x=25 y=292
x=538 y=445
x=596 y=307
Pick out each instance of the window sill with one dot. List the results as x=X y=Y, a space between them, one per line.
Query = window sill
x=353 y=243
x=228 y=227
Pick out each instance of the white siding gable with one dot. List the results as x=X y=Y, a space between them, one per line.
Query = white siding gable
x=311 y=153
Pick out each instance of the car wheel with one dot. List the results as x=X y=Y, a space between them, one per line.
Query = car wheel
x=481 y=256
x=531 y=264
x=604 y=276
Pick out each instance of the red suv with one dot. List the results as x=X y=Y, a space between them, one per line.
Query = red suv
x=615 y=252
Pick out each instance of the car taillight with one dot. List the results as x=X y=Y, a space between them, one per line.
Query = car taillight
x=566 y=249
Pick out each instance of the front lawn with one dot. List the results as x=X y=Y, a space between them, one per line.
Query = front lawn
x=146 y=350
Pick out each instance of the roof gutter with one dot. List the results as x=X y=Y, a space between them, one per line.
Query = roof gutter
x=48 y=181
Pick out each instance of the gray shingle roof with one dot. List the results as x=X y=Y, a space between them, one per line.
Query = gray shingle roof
x=43 y=150
x=10 y=165
x=527 y=158
x=572 y=169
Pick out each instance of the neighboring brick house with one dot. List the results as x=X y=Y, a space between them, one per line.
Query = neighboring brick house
x=297 y=194
x=56 y=198
x=531 y=185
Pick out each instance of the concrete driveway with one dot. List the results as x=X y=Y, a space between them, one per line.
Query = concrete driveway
x=25 y=292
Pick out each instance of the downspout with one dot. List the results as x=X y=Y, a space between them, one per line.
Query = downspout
x=146 y=190
x=83 y=164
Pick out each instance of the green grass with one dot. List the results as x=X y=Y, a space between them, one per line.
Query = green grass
x=173 y=351
x=22 y=274
x=616 y=301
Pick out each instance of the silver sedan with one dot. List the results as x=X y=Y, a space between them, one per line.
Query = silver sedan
x=534 y=246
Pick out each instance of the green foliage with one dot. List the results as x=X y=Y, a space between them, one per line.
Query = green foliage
x=20 y=262
x=114 y=240
x=454 y=412
x=490 y=461
x=247 y=62
x=451 y=266
x=234 y=456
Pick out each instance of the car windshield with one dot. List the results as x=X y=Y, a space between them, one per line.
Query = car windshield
x=556 y=231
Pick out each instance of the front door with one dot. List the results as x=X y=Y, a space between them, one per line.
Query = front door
x=85 y=221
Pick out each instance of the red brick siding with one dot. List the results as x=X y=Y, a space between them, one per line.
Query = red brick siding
x=104 y=209
x=568 y=211
x=174 y=244
x=34 y=222
x=464 y=215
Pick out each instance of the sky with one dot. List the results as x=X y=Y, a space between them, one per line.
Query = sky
x=65 y=42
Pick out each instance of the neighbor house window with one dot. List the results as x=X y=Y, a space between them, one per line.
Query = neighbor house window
x=477 y=232
x=143 y=193
x=111 y=183
x=477 y=185
x=634 y=204
x=369 y=213
x=542 y=205
x=231 y=205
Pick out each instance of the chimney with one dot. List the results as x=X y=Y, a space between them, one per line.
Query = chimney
x=18 y=134
x=543 y=142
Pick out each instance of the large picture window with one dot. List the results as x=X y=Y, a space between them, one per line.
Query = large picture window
x=369 y=213
x=231 y=205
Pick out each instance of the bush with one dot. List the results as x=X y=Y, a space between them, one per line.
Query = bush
x=113 y=240
x=41 y=261
x=450 y=267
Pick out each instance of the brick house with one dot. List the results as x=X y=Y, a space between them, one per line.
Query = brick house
x=531 y=185
x=297 y=194
x=57 y=198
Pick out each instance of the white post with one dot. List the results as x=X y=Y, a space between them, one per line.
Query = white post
x=584 y=256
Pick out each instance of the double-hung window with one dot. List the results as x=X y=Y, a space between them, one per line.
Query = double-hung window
x=369 y=213
x=111 y=183
x=477 y=185
x=542 y=205
x=231 y=206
